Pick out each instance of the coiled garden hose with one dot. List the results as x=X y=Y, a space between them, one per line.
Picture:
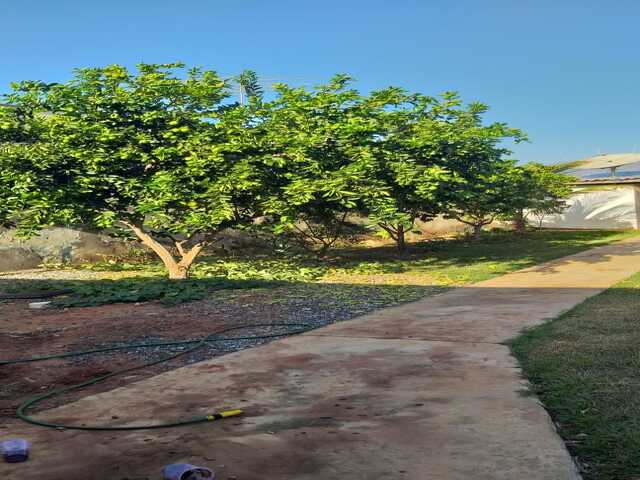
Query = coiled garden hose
x=215 y=337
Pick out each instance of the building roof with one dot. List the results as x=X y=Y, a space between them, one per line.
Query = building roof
x=607 y=180
x=611 y=160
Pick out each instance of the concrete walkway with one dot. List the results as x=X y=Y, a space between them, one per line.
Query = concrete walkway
x=421 y=391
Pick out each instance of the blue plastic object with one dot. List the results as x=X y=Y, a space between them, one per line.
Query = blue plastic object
x=15 y=450
x=185 y=471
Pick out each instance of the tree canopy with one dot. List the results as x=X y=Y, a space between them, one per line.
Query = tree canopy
x=165 y=154
x=432 y=155
x=152 y=152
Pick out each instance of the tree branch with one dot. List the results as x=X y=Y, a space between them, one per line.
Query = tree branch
x=189 y=256
x=152 y=243
x=390 y=230
x=179 y=247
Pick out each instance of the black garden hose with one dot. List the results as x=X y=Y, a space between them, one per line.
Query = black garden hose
x=214 y=337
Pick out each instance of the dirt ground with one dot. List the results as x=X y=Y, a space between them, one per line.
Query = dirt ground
x=26 y=332
x=43 y=332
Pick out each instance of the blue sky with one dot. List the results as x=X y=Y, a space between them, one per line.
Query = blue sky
x=566 y=72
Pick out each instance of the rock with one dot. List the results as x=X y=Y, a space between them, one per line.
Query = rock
x=239 y=240
x=39 y=305
x=58 y=245
x=18 y=258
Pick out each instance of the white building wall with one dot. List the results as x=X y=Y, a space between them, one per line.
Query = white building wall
x=613 y=208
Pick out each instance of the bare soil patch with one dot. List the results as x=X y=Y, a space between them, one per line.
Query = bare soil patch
x=25 y=332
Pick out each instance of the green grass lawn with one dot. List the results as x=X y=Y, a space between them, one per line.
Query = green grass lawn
x=585 y=367
x=406 y=275
x=459 y=262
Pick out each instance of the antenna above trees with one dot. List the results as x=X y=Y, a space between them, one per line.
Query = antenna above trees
x=248 y=86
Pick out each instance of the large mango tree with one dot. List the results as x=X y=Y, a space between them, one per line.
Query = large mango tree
x=158 y=152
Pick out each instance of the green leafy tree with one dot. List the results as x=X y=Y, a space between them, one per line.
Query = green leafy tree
x=406 y=161
x=316 y=140
x=163 y=154
x=153 y=152
x=480 y=186
x=20 y=126
x=433 y=156
x=10 y=133
x=539 y=191
x=480 y=199
x=392 y=156
x=512 y=192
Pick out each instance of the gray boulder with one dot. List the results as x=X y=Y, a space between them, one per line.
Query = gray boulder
x=18 y=258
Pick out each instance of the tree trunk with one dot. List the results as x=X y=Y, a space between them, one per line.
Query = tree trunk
x=477 y=231
x=400 y=241
x=519 y=225
x=188 y=257
x=397 y=234
x=177 y=270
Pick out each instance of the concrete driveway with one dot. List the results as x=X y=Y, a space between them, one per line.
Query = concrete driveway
x=425 y=390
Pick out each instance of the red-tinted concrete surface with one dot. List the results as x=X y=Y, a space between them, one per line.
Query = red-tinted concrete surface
x=421 y=391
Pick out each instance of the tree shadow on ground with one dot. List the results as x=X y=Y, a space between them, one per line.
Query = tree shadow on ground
x=124 y=290
x=531 y=248
x=443 y=262
x=85 y=293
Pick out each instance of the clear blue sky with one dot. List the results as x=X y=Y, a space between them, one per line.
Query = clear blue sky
x=567 y=72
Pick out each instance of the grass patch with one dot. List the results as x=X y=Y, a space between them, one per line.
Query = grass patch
x=585 y=368
x=435 y=263
x=459 y=262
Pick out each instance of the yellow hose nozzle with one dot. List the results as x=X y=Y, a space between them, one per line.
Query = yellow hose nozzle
x=224 y=414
